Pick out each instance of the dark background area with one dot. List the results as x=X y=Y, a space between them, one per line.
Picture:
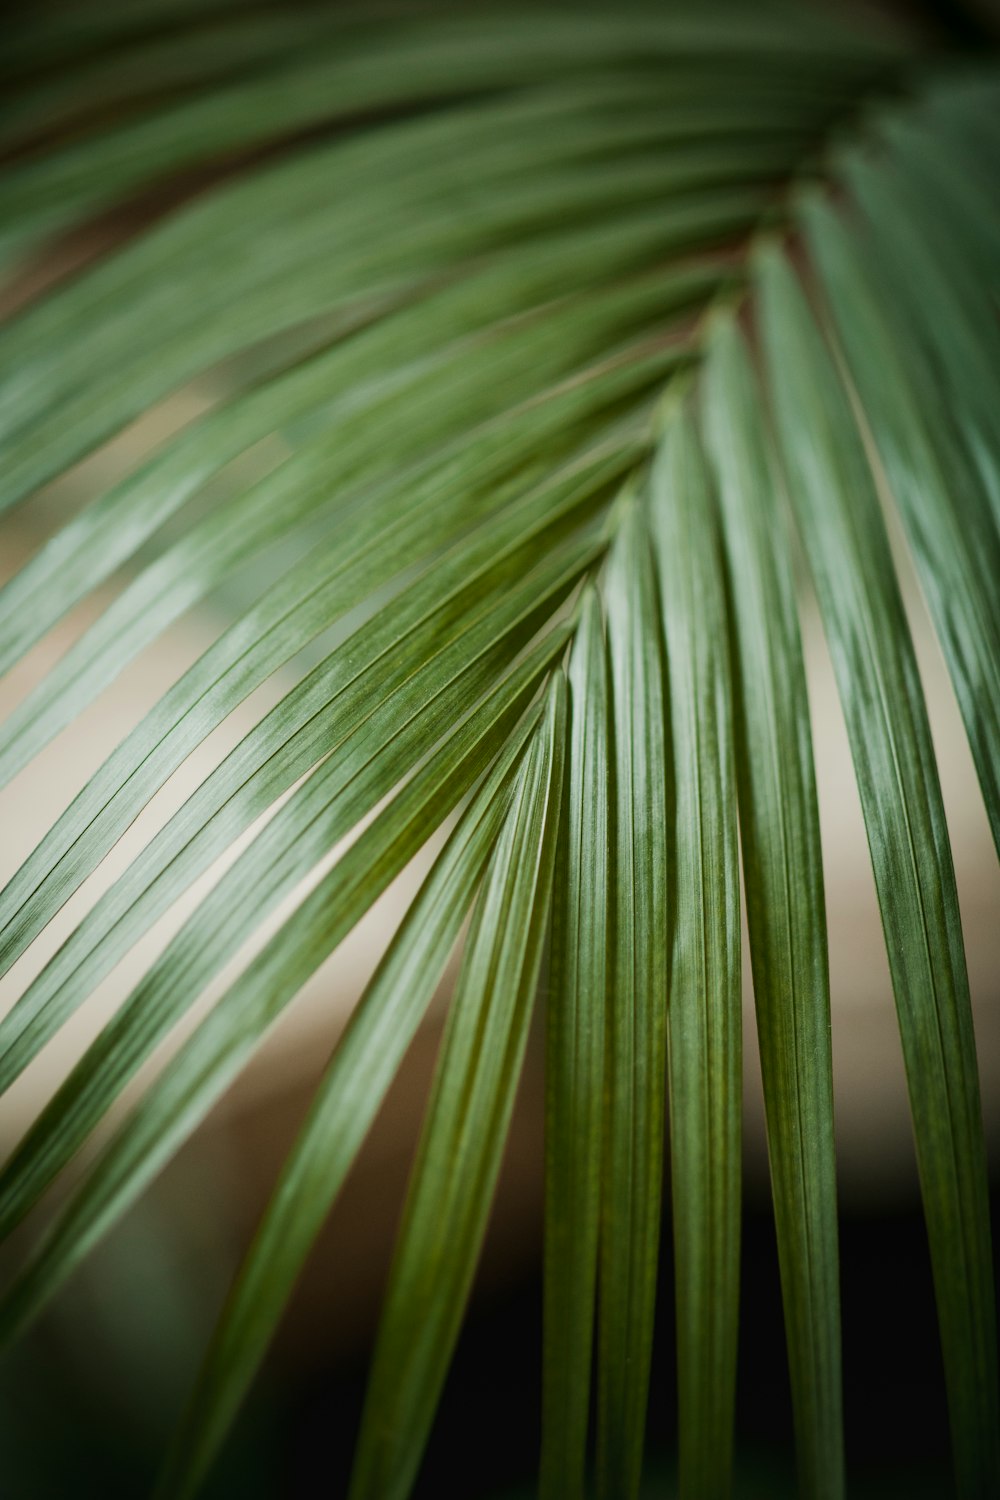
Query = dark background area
x=486 y=1438
x=294 y=1441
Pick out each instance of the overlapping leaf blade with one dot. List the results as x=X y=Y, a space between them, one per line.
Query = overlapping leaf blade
x=637 y=1010
x=932 y=474
x=344 y=1107
x=419 y=375
x=786 y=915
x=220 y=1046
x=398 y=656
x=848 y=551
x=461 y=1145
x=387 y=739
x=382 y=542
x=426 y=58
x=704 y=1027
x=575 y=1048
x=56 y=406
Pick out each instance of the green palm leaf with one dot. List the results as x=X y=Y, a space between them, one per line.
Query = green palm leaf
x=427 y=281
x=345 y=1105
x=470 y=1107
x=848 y=551
x=575 y=1053
x=637 y=1014
x=783 y=875
x=705 y=1013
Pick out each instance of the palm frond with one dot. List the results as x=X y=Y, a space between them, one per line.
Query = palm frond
x=705 y=1071
x=637 y=1015
x=470 y=1107
x=547 y=337
x=844 y=537
x=786 y=915
x=347 y=1101
x=577 y=1022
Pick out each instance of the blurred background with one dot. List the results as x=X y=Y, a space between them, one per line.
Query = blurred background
x=88 y=1399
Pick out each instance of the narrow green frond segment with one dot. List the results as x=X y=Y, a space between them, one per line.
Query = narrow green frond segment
x=220 y=1047
x=73 y=373
x=381 y=544
x=467 y=1120
x=379 y=399
x=916 y=405
x=783 y=879
x=387 y=738
x=338 y=700
x=635 y=1084
x=848 y=552
x=431 y=58
x=354 y=522
x=953 y=150
x=949 y=307
x=577 y=989
x=347 y=1101
x=704 y=1023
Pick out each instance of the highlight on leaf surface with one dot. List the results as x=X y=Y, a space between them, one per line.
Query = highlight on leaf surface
x=515 y=379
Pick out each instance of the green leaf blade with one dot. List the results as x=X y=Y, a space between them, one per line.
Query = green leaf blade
x=931 y=473
x=467 y=1119
x=383 y=746
x=783 y=873
x=223 y=1042
x=344 y=692
x=348 y=1099
x=845 y=541
x=383 y=543
x=704 y=1023
x=637 y=1005
x=575 y=1044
